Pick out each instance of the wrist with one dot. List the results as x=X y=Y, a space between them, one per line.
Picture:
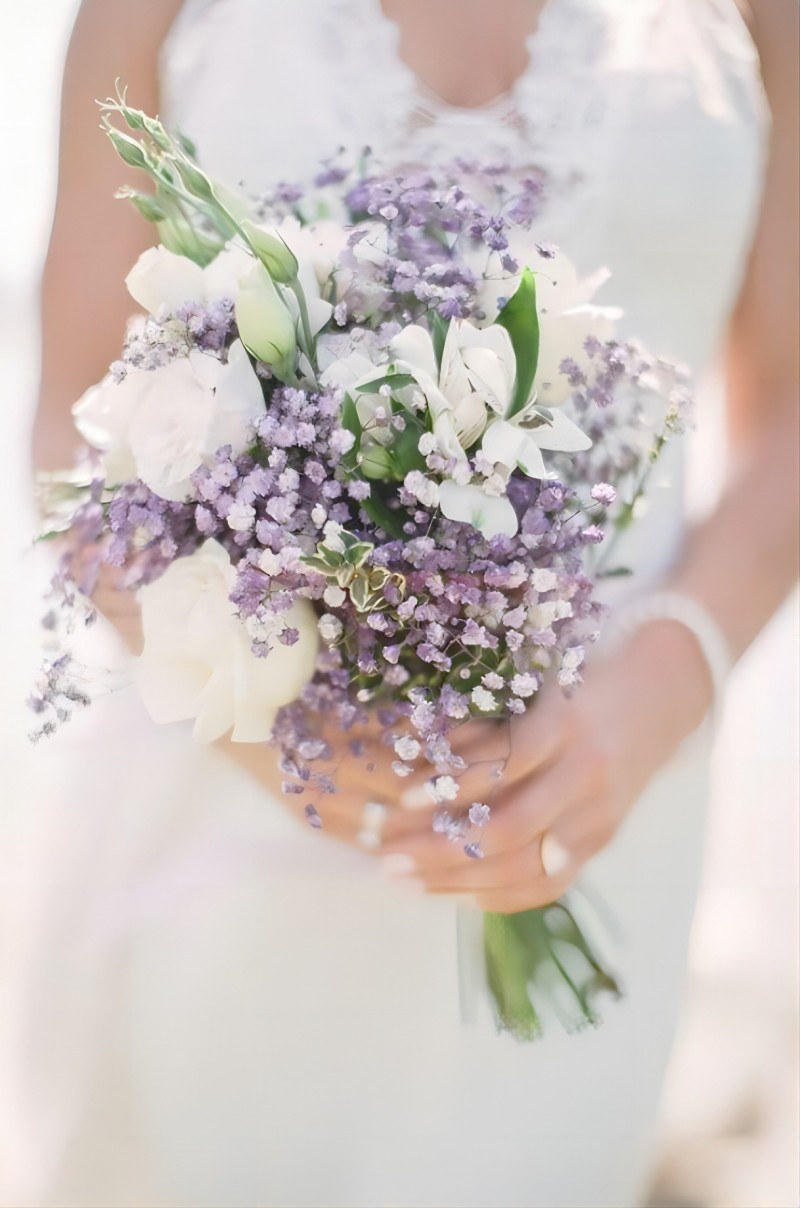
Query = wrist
x=668 y=611
x=673 y=676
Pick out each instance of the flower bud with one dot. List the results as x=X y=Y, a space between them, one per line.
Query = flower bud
x=179 y=236
x=148 y=206
x=375 y=461
x=265 y=325
x=128 y=149
x=196 y=181
x=276 y=256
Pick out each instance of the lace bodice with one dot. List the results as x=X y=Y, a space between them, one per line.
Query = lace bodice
x=648 y=116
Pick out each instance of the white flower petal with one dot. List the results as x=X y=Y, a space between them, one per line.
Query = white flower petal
x=103 y=415
x=215 y=706
x=470 y=419
x=469 y=504
x=350 y=371
x=168 y=431
x=222 y=276
x=161 y=280
x=239 y=402
x=507 y=444
x=414 y=347
x=262 y=686
x=453 y=377
x=197 y=662
x=564 y=335
x=491 y=375
x=562 y=435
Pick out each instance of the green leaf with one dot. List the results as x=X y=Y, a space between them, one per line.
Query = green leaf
x=405 y=451
x=618 y=572
x=352 y=424
x=376 y=461
x=391 y=522
x=350 y=419
x=521 y=321
x=396 y=381
x=186 y=145
x=318 y=564
x=439 y=329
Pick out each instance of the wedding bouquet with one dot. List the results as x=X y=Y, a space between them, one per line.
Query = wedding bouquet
x=358 y=460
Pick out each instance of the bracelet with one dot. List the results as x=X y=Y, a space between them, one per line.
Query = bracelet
x=669 y=605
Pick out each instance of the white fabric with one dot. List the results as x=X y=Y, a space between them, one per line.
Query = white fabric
x=217 y=1006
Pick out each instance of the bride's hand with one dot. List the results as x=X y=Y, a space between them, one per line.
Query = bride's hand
x=570 y=771
x=360 y=778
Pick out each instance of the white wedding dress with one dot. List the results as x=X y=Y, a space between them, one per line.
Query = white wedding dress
x=212 y=1005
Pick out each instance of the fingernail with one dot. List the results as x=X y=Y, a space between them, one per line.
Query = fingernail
x=418 y=798
x=555 y=857
x=398 y=864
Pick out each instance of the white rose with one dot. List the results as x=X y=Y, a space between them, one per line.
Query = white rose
x=477 y=372
x=162 y=281
x=161 y=424
x=197 y=662
x=567 y=318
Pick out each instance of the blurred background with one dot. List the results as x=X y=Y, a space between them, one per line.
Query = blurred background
x=731 y=1114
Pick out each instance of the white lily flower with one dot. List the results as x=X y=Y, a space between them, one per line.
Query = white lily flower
x=350 y=373
x=491 y=515
x=520 y=444
x=476 y=377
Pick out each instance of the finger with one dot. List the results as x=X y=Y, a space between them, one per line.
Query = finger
x=528 y=887
x=526 y=813
x=480 y=782
x=515 y=868
x=350 y=816
x=553 y=854
x=498 y=753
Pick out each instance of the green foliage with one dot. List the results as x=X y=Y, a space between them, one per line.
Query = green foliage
x=521 y=320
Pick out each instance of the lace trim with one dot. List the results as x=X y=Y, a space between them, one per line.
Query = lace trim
x=557 y=89
x=564 y=89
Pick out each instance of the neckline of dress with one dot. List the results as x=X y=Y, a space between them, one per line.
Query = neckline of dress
x=501 y=106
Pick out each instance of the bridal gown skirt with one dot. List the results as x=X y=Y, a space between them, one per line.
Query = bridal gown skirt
x=211 y=1004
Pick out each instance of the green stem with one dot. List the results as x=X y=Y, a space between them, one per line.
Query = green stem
x=625 y=517
x=305 y=321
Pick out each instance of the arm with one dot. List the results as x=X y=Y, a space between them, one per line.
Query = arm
x=574 y=768
x=84 y=307
x=95 y=238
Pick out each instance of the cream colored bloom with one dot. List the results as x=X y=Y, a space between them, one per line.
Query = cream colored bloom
x=567 y=315
x=162 y=281
x=197 y=662
x=161 y=424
